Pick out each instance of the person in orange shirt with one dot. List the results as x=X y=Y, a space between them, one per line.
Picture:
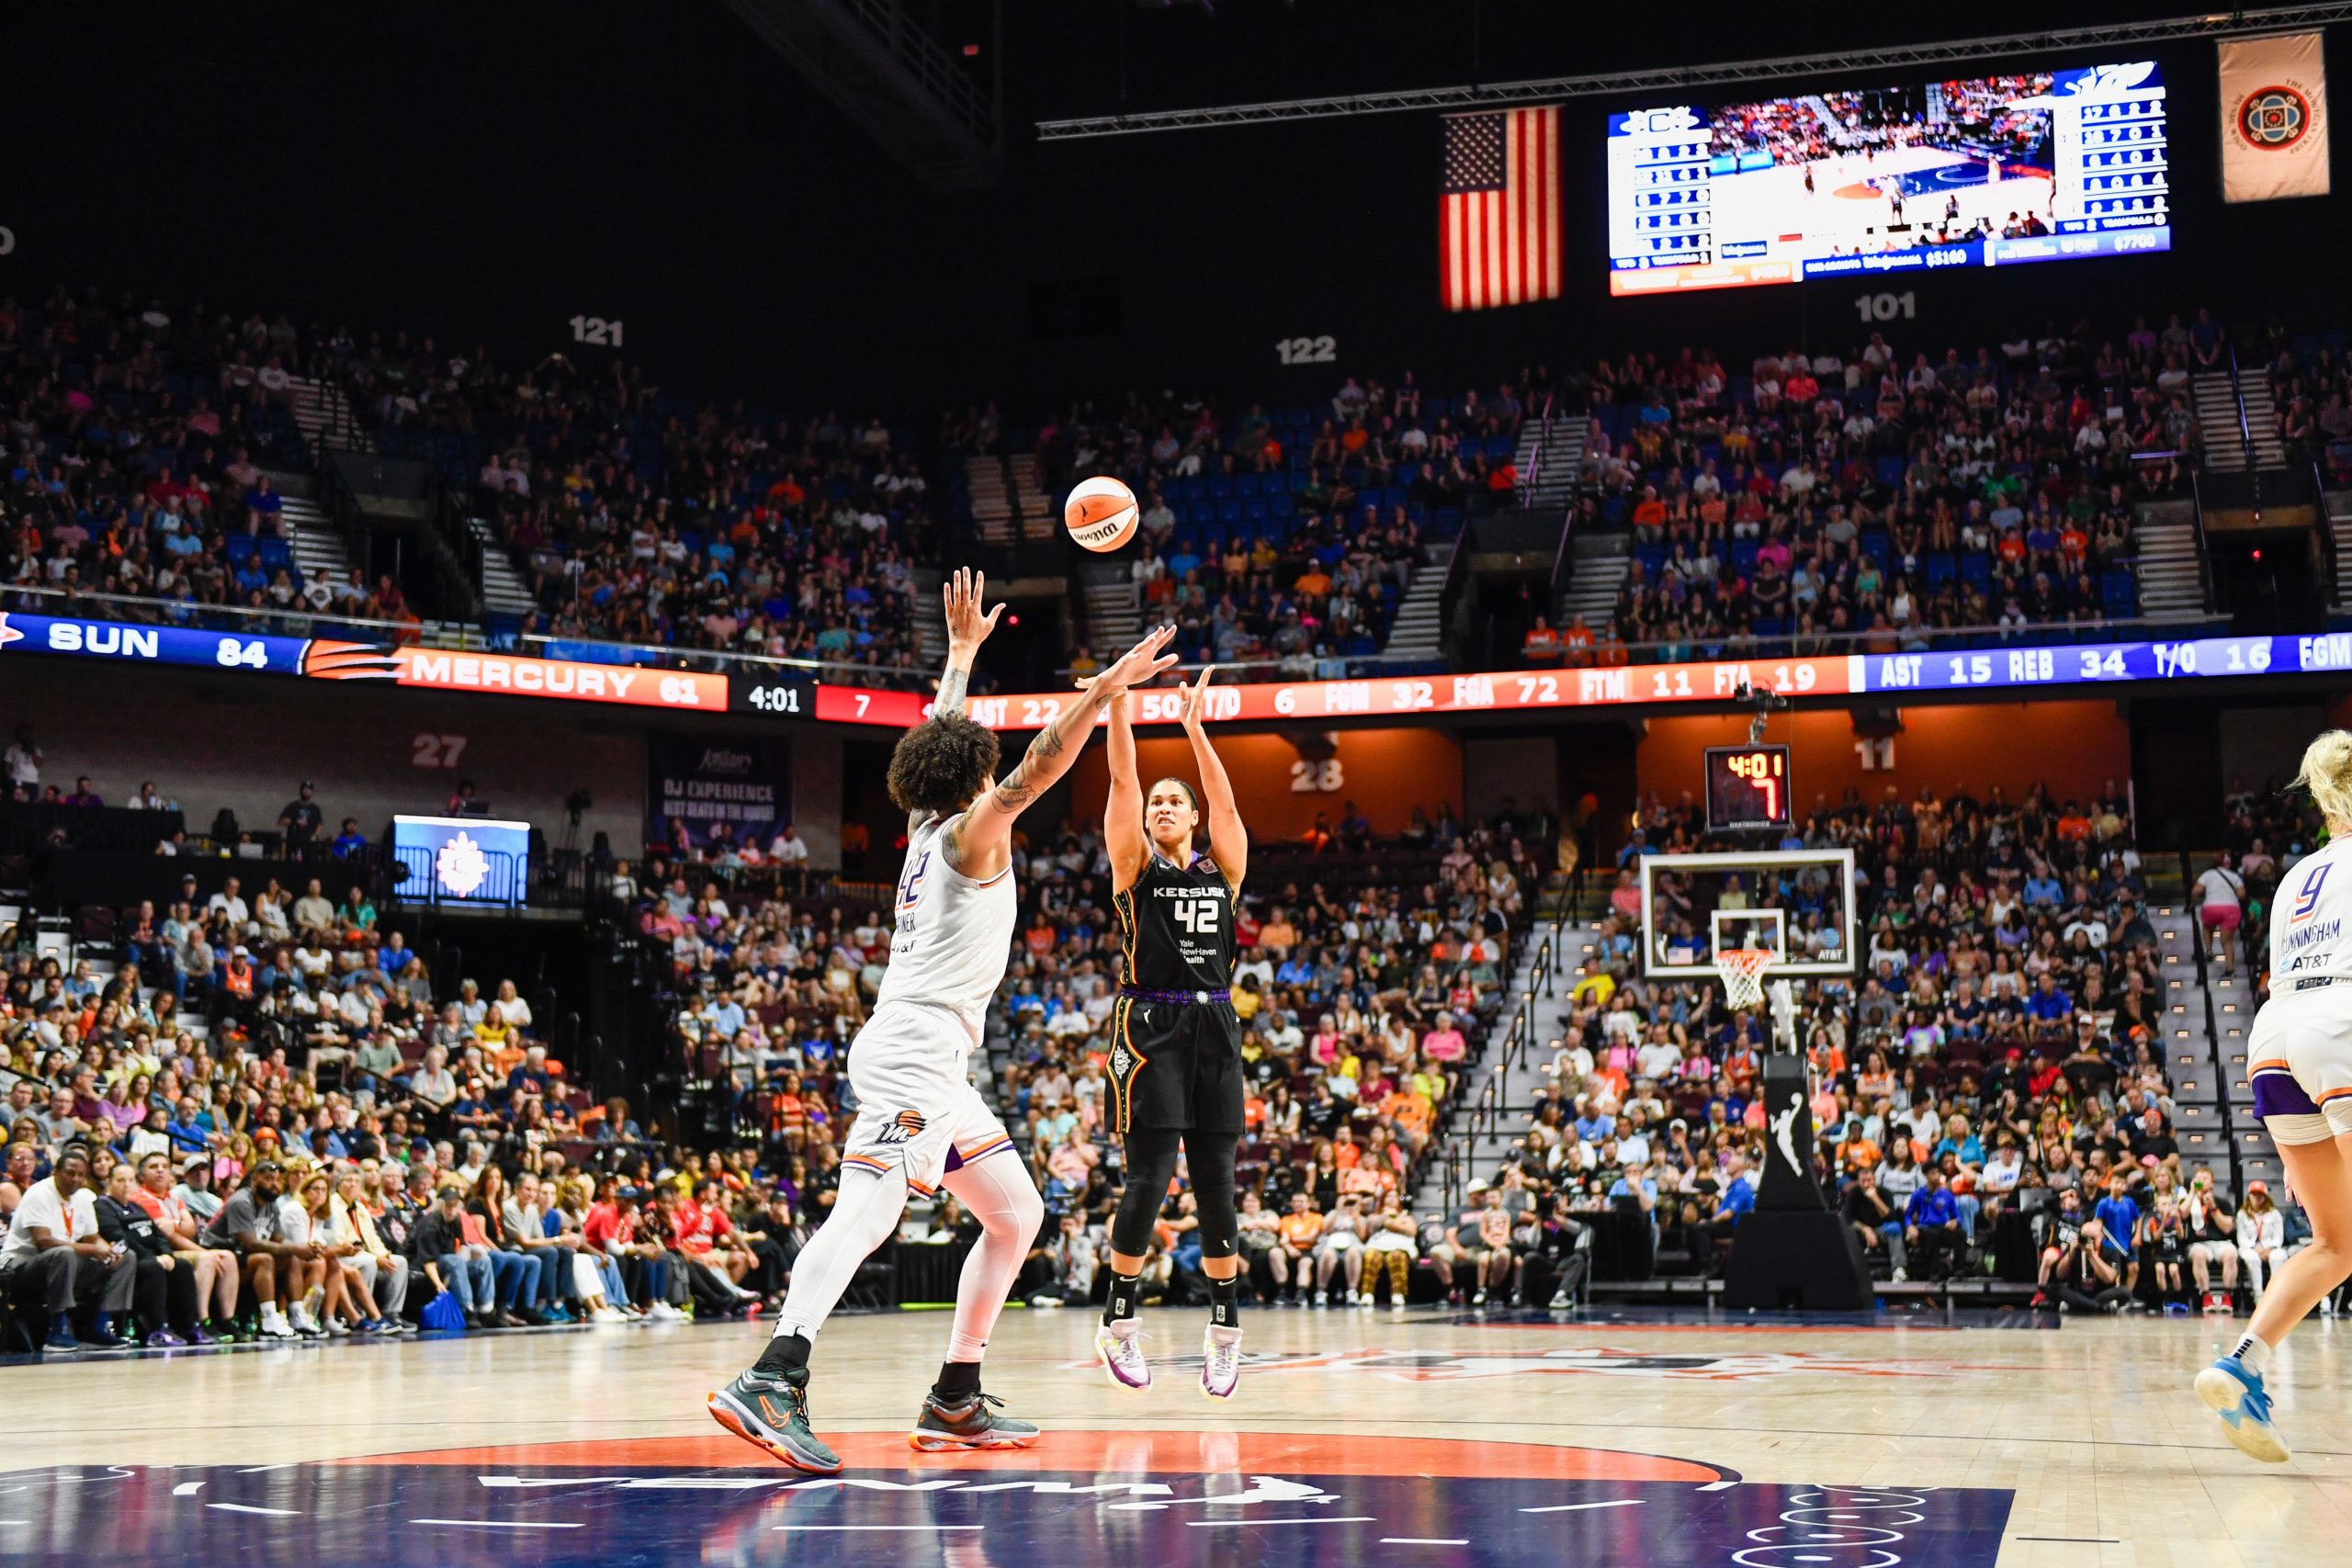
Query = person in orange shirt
x=1578 y=641
x=1542 y=643
x=1299 y=1230
x=1315 y=581
x=1411 y=1111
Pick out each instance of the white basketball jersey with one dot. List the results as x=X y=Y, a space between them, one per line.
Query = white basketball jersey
x=953 y=934
x=2309 y=932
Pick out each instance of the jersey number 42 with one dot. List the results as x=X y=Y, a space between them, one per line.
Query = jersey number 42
x=1198 y=916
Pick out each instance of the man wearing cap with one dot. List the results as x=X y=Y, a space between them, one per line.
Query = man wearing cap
x=53 y=1251
x=249 y=1225
x=437 y=1248
x=214 y=1270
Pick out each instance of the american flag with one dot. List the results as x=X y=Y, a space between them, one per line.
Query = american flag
x=1498 y=210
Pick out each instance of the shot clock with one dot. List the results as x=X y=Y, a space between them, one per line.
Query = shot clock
x=1747 y=787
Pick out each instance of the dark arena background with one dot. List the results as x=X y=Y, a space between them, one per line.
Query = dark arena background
x=1767 y=571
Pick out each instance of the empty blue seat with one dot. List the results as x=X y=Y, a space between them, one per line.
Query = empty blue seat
x=1274 y=483
x=1253 y=509
x=240 y=548
x=1221 y=487
x=1245 y=485
x=1228 y=512
x=276 y=553
x=1890 y=470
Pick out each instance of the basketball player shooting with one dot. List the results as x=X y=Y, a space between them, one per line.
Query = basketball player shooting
x=921 y=1124
x=1175 y=1038
x=2300 y=1063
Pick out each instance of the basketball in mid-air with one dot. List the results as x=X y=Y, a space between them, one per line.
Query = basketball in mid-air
x=1101 y=513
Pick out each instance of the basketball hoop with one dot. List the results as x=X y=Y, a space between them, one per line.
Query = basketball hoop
x=1742 y=971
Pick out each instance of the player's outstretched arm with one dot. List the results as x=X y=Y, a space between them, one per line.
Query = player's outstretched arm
x=980 y=842
x=966 y=630
x=1122 y=833
x=1228 y=840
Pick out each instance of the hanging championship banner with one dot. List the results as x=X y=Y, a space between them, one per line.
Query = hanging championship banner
x=2274 y=118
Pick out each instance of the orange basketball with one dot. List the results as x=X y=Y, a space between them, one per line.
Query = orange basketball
x=1101 y=513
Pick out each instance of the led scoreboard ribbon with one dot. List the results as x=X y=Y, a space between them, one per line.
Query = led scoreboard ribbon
x=2066 y=668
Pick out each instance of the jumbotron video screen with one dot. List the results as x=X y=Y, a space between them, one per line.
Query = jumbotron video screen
x=1987 y=171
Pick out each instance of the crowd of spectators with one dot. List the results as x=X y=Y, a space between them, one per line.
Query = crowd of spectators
x=1363 y=1002
x=138 y=437
x=1989 y=1089
x=1288 y=536
x=2311 y=389
x=136 y=442
x=1829 y=502
x=340 y=1127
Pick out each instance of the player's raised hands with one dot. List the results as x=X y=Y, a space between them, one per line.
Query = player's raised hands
x=1196 y=704
x=966 y=626
x=1139 y=663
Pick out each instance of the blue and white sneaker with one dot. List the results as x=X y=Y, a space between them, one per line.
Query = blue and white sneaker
x=2234 y=1392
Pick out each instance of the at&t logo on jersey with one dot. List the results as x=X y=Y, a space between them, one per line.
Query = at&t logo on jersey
x=2307 y=895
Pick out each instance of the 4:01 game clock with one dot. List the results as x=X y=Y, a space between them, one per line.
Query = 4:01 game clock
x=788 y=697
x=1748 y=786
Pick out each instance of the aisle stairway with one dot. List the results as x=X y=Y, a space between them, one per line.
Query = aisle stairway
x=991 y=499
x=325 y=418
x=1601 y=560
x=1485 y=1137
x=1549 y=459
x=2215 y=399
x=504 y=591
x=317 y=544
x=1114 y=615
x=2171 y=585
x=1419 y=628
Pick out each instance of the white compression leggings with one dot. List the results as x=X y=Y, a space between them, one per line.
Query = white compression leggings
x=996 y=1191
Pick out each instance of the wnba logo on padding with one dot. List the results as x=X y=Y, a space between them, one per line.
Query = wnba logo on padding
x=2307 y=895
x=2274 y=119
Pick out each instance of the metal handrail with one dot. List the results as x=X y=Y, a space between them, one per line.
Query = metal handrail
x=2237 y=396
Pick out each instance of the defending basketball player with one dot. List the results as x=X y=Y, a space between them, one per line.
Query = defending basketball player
x=1176 y=1041
x=921 y=1124
x=2301 y=1055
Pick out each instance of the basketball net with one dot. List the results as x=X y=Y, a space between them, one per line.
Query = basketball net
x=1742 y=972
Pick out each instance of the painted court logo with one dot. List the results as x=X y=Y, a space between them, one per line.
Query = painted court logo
x=2272 y=120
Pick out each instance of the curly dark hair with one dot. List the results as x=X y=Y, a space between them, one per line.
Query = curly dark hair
x=941 y=764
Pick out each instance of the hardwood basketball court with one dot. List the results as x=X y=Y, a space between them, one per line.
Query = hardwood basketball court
x=1426 y=1439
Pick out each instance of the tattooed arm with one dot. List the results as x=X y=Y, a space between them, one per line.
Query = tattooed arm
x=980 y=842
x=966 y=630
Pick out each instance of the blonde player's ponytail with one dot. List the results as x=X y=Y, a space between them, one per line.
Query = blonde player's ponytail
x=2327 y=774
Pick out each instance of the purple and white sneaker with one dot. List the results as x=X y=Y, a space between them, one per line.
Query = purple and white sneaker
x=1221 y=1363
x=1121 y=1347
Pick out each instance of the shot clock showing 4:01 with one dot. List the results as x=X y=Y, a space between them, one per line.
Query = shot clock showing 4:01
x=778 y=699
x=1747 y=787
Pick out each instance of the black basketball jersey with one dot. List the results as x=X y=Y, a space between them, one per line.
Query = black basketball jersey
x=1176 y=926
